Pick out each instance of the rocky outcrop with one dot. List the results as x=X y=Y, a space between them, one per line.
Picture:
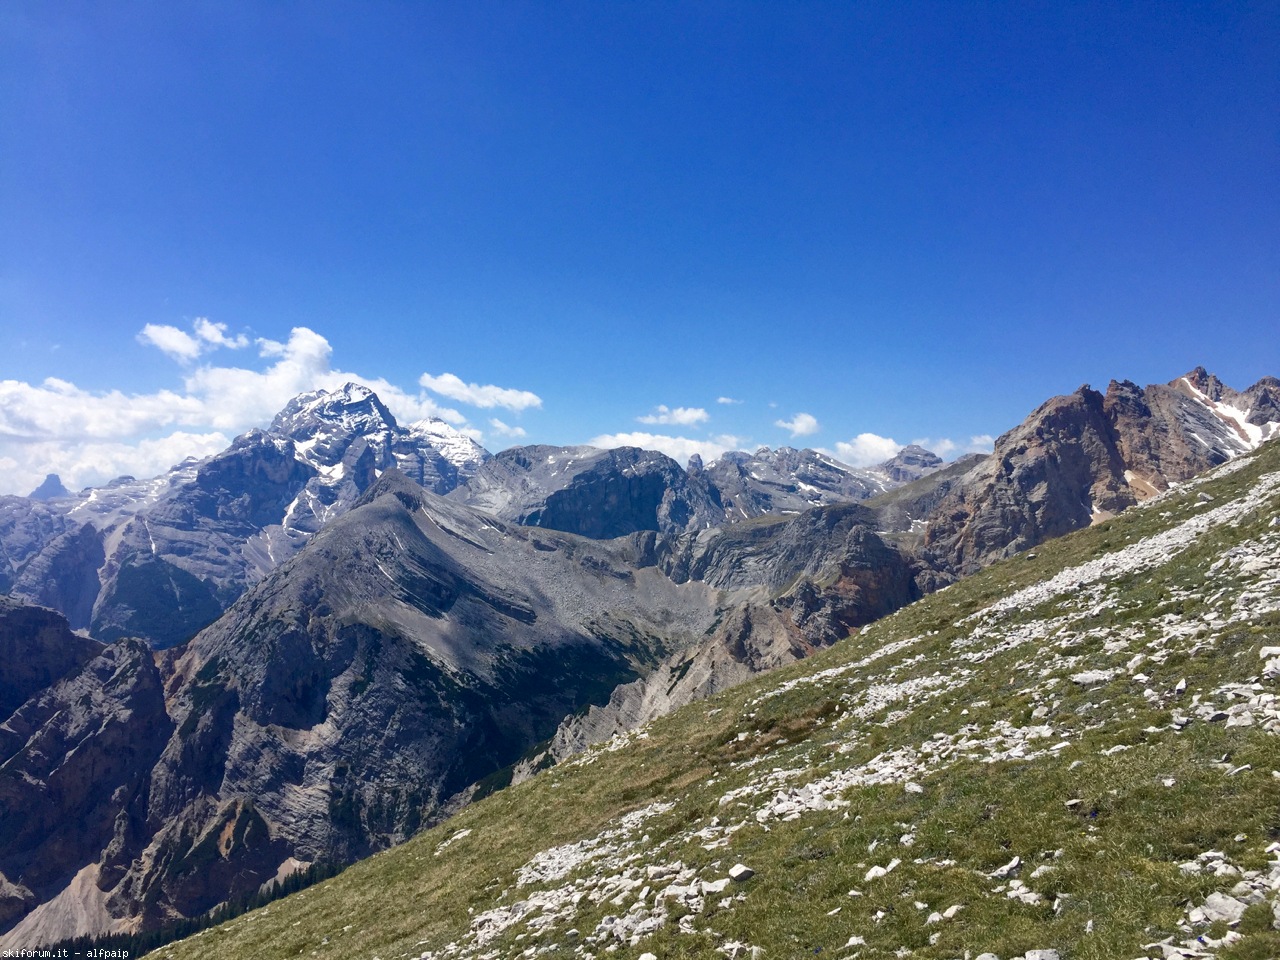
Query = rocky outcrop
x=1086 y=456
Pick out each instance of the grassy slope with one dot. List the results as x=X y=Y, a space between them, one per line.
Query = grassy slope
x=950 y=744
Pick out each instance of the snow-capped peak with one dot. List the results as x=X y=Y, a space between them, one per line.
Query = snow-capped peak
x=353 y=407
x=1226 y=406
x=452 y=444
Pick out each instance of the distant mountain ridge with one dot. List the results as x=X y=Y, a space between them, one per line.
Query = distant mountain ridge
x=163 y=557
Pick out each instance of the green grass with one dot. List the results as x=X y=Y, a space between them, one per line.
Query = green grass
x=1114 y=883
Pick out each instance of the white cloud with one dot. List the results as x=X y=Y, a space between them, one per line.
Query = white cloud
x=680 y=416
x=182 y=346
x=57 y=409
x=867 y=449
x=88 y=437
x=801 y=425
x=216 y=334
x=677 y=448
x=503 y=430
x=236 y=397
x=727 y=400
x=178 y=344
x=487 y=397
x=82 y=463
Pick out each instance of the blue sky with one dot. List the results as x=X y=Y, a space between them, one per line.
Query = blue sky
x=905 y=220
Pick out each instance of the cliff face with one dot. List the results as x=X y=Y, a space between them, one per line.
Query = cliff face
x=37 y=649
x=806 y=582
x=75 y=765
x=593 y=493
x=1086 y=456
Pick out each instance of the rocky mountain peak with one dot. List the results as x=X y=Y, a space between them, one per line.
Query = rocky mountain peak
x=910 y=463
x=50 y=489
x=1086 y=457
x=352 y=407
x=1202 y=382
x=392 y=483
x=161 y=557
x=455 y=446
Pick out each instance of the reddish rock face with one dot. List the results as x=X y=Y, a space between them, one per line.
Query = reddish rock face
x=1086 y=456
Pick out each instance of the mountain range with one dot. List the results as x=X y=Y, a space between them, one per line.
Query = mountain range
x=1068 y=755
x=340 y=631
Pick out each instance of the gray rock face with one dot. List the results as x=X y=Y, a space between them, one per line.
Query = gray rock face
x=64 y=575
x=37 y=649
x=788 y=481
x=26 y=528
x=594 y=493
x=771 y=552
x=1084 y=457
x=75 y=762
x=910 y=463
x=805 y=582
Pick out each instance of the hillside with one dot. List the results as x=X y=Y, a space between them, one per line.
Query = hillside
x=1072 y=753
